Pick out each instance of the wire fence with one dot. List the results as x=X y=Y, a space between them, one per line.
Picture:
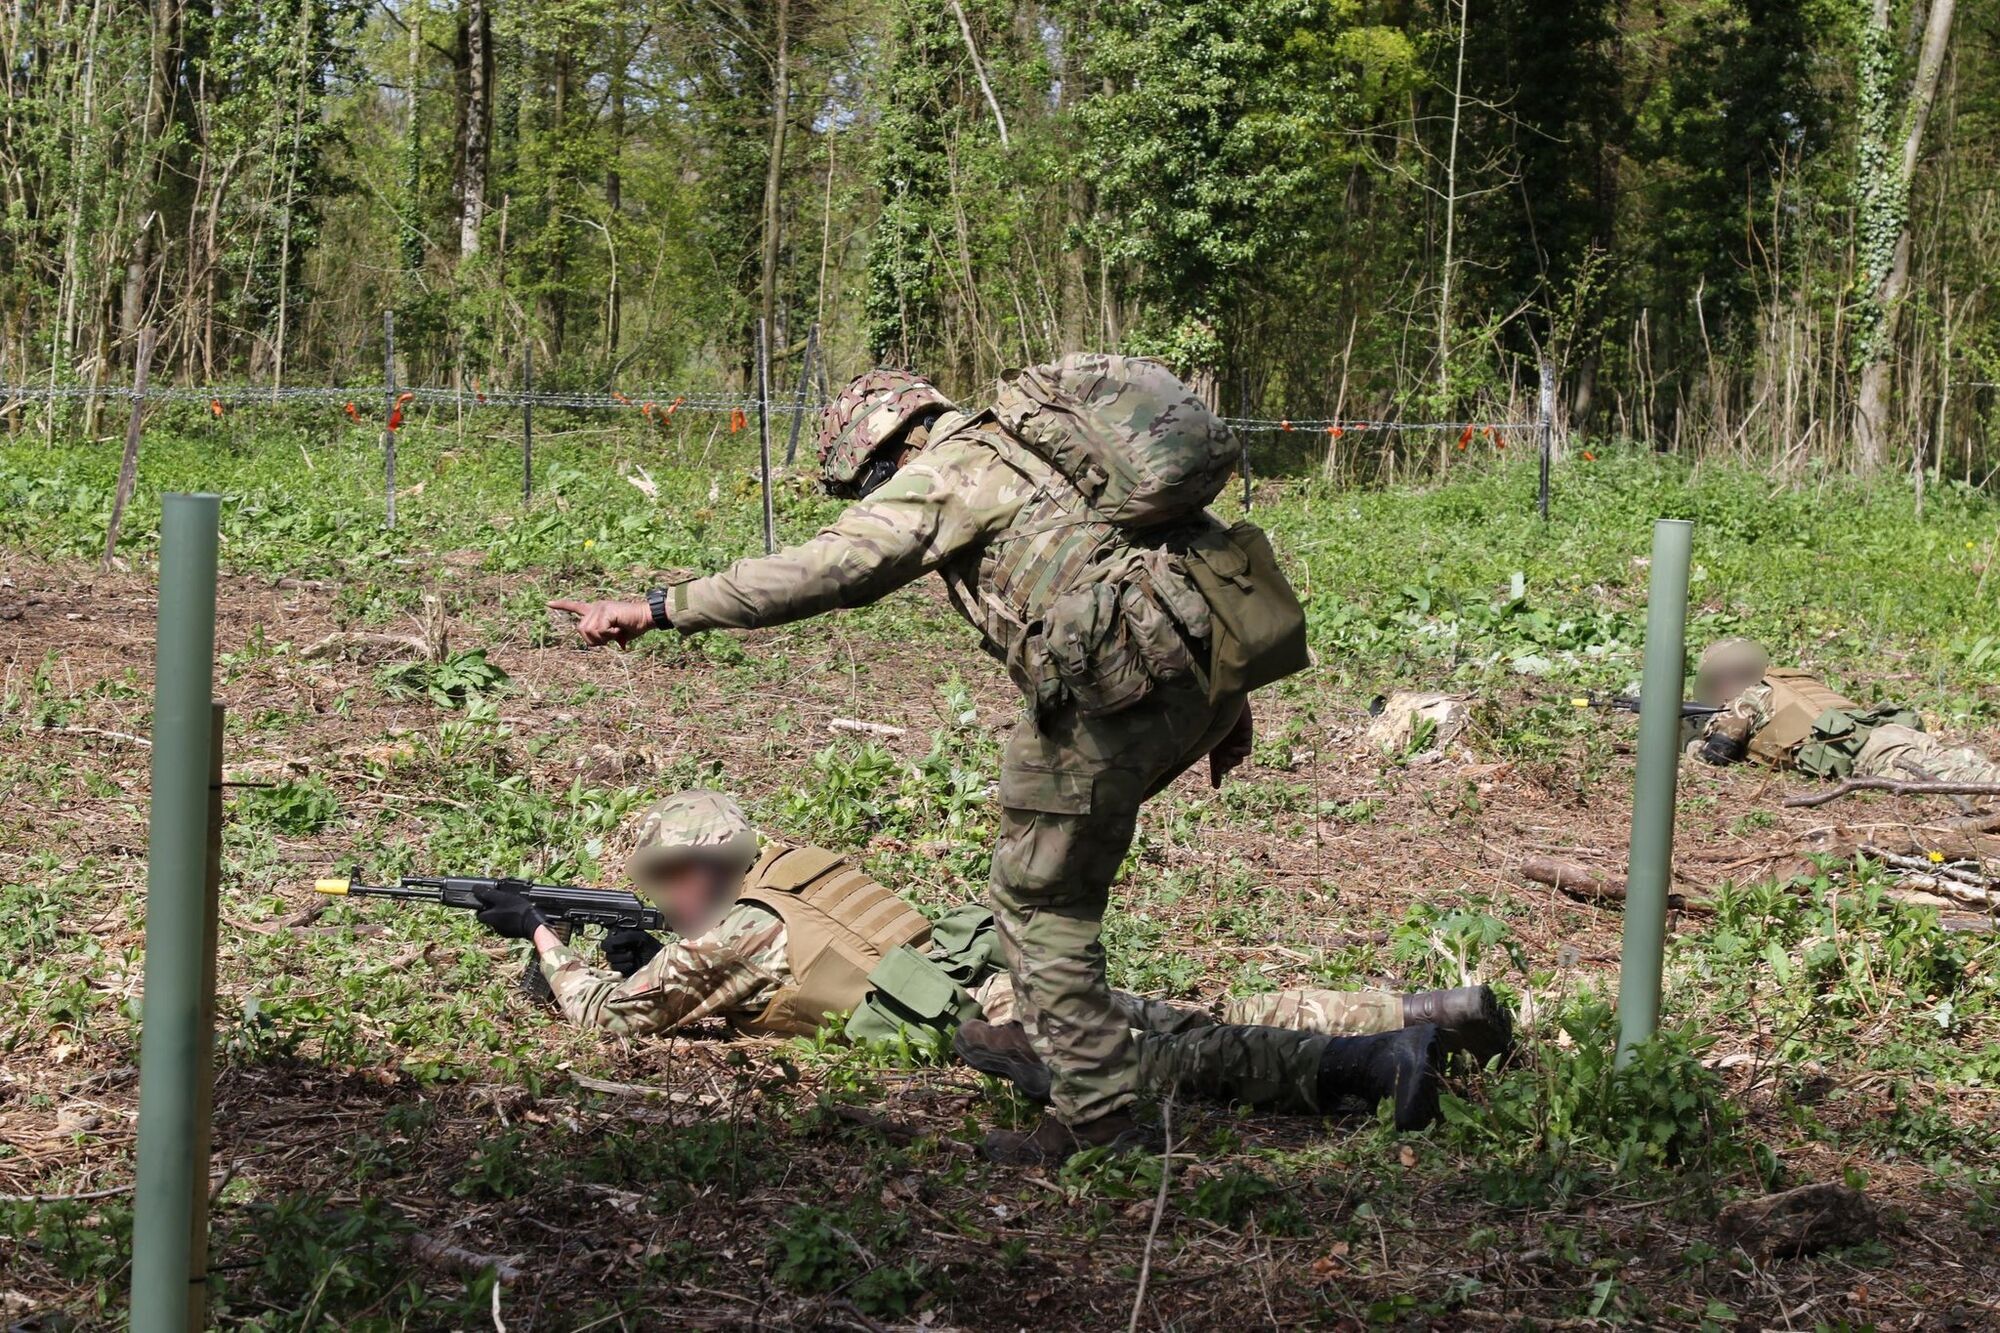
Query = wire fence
x=391 y=400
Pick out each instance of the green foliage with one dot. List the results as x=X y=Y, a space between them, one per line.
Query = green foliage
x=287 y=807
x=1566 y=1120
x=821 y=1249
x=459 y=680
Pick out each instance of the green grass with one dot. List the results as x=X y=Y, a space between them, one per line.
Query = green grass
x=1871 y=1018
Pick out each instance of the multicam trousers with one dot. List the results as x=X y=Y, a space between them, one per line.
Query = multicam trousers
x=1909 y=754
x=1263 y=1051
x=1070 y=792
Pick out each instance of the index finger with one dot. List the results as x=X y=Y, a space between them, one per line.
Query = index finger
x=564 y=604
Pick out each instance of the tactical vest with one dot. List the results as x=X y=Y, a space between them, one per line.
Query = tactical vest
x=1798 y=698
x=1075 y=608
x=838 y=925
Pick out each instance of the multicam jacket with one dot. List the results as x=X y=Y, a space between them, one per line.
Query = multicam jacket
x=730 y=972
x=1017 y=551
x=734 y=970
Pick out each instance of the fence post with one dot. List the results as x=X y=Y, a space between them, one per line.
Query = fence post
x=388 y=418
x=528 y=421
x=204 y=1053
x=764 y=431
x=171 y=1035
x=1243 y=438
x=1545 y=431
x=1652 y=849
x=799 y=400
x=128 y=467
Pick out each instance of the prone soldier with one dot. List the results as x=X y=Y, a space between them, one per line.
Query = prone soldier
x=781 y=940
x=1789 y=718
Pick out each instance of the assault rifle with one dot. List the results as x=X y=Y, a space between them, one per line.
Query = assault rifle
x=561 y=904
x=1629 y=703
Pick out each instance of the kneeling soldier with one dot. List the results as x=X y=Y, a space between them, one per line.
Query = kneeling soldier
x=780 y=940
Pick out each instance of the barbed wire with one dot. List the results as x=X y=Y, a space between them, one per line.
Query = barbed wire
x=250 y=394
x=1351 y=425
x=646 y=401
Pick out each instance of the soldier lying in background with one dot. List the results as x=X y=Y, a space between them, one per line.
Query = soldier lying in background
x=778 y=940
x=1789 y=719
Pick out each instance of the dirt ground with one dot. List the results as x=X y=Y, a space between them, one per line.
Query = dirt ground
x=1444 y=832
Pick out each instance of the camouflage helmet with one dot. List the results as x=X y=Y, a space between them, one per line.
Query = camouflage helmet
x=1728 y=667
x=872 y=411
x=695 y=825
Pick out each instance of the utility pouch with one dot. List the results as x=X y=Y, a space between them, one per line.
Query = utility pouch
x=1257 y=627
x=909 y=990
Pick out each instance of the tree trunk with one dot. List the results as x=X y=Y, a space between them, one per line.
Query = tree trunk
x=478 y=119
x=781 y=115
x=132 y=300
x=1884 y=215
x=614 y=192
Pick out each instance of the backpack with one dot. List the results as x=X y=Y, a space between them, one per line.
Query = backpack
x=1138 y=446
x=1144 y=453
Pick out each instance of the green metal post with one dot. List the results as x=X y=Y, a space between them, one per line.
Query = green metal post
x=1652 y=853
x=204 y=1042
x=170 y=1054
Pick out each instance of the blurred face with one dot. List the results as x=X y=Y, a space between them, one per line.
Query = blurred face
x=692 y=895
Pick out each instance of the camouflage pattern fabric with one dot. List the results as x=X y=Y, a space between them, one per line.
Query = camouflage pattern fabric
x=1334 y=1013
x=1908 y=754
x=1070 y=792
x=988 y=516
x=1326 y=1012
x=693 y=824
x=1840 y=735
x=1271 y=1069
x=734 y=969
x=868 y=413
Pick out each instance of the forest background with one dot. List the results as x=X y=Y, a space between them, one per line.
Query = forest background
x=1762 y=228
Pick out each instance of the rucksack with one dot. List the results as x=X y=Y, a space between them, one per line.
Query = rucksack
x=1135 y=442
x=1145 y=453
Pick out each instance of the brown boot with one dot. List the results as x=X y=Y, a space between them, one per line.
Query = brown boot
x=1052 y=1143
x=1003 y=1051
x=1470 y=1020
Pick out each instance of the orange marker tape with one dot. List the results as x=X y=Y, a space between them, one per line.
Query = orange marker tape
x=1284 y=425
x=620 y=397
x=737 y=421
x=1465 y=437
x=675 y=406
x=215 y=406
x=396 y=418
x=1589 y=457
x=352 y=414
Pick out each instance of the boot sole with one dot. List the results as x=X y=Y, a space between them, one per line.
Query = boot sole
x=1029 y=1077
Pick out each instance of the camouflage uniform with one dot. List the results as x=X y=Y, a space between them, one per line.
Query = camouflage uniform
x=738 y=971
x=1002 y=529
x=1790 y=718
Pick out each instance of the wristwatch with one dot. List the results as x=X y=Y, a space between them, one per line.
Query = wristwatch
x=656 y=602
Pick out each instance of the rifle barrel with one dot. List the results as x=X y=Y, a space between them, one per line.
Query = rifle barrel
x=350 y=888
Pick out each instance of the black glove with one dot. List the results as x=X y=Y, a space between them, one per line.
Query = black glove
x=509 y=914
x=626 y=951
x=1727 y=741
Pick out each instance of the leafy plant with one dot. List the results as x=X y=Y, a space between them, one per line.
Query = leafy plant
x=460 y=679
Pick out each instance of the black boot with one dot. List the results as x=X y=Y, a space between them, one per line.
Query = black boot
x=1002 y=1050
x=1471 y=1021
x=1399 y=1065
